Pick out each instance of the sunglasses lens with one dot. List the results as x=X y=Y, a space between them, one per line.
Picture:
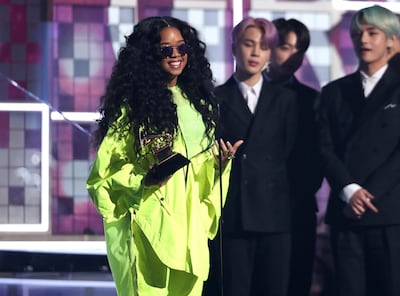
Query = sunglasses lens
x=168 y=51
x=183 y=49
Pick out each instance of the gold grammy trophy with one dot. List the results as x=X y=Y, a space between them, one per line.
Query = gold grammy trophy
x=166 y=162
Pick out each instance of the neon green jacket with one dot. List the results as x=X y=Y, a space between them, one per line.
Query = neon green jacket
x=177 y=218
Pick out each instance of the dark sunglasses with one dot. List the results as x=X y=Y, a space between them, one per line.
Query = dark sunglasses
x=168 y=51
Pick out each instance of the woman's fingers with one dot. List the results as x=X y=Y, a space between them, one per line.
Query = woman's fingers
x=226 y=149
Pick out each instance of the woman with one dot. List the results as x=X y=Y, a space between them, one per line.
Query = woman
x=157 y=228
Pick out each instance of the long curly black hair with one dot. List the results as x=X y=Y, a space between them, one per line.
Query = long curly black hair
x=139 y=83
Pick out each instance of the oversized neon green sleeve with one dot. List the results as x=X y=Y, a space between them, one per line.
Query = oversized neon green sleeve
x=115 y=181
x=211 y=204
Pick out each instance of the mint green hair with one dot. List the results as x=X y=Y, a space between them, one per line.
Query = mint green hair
x=377 y=16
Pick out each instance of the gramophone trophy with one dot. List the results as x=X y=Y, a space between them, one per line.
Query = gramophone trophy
x=166 y=162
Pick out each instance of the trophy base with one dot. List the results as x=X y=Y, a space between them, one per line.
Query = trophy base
x=167 y=167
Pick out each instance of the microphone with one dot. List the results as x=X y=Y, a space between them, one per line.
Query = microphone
x=210 y=90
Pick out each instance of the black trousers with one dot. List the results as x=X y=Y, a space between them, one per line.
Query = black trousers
x=367 y=260
x=302 y=256
x=256 y=264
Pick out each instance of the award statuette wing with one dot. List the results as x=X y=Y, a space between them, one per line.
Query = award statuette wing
x=167 y=162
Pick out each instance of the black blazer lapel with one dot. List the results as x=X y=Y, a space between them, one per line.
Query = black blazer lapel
x=353 y=91
x=264 y=99
x=233 y=100
x=380 y=95
x=267 y=95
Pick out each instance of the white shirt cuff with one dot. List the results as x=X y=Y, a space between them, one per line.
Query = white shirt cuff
x=348 y=191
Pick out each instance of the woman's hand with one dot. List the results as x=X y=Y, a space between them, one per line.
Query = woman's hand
x=227 y=151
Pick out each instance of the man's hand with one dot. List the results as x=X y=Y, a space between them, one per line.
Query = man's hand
x=358 y=204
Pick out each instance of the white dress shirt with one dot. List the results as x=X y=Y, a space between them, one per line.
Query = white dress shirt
x=369 y=82
x=250 y=93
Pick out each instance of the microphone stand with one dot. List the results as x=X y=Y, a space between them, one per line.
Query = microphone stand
x=220 y=242
x=209 y=88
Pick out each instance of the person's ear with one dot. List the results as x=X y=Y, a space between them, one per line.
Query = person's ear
x=233 y=50
x=390 y=43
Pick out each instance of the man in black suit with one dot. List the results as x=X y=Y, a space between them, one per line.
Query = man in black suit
x=257 y=214
x=305 y=171
x=360 y=145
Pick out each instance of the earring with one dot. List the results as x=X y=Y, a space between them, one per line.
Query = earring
x=266 y=66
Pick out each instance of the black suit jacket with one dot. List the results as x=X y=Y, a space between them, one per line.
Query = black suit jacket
x=258 y=196
x=305 y=168
x=360 y=143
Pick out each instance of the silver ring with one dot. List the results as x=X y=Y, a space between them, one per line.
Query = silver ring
x=230 y=155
